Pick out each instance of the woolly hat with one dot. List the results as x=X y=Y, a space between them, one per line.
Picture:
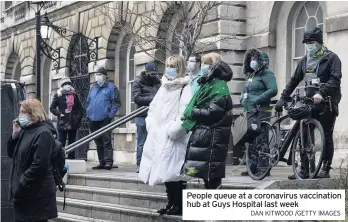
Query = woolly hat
x=102 y=70
x=65 y=81
x=150 y=67
x=313 y=35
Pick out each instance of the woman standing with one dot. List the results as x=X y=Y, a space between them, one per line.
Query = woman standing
x=32 y=186
x=165 y=146
x=209 y=117
x=69 y=113
x=261 y=85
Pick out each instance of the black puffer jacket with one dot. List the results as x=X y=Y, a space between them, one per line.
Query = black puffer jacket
x=144 y=90
x=31 y=182
x=208 y=144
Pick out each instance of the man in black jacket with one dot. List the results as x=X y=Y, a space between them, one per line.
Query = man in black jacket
x=321 y=66
x=144 y=90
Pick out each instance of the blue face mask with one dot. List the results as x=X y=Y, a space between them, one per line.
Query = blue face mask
x=171 y=72
x=23 y=120
x=254 y=65
x=312 y=48
x=191 y=66
x=205 y=69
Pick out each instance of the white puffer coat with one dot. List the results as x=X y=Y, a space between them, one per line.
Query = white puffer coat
x=165 y=147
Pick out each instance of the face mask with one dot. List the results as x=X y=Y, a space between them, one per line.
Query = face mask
x=99 y=79
x=191 y=66
x=205 y=69
x=254 y=65
x=311 y=48
x=67 y=87
x=171 y=72
x=23 y=120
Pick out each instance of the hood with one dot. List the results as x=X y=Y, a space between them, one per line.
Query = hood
x=49 y=124
x=262 y=59
x=149 y=80
x=221 y=70
x=173 y=84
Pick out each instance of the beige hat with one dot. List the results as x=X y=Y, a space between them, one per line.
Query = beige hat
x=65 y=80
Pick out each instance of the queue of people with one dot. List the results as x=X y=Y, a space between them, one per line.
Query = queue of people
x=185 y=133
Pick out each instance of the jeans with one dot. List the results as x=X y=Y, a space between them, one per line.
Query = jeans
x=71 y=134
x=141 y=138
x=103 y=142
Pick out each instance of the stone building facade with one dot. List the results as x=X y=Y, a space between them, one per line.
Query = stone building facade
x=274 y=27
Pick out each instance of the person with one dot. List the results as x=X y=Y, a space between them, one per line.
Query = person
x=325 y=66
x=165 y=147
x=144 y=90
x=261 y=85
x=209 y=117
x=103 y=102
x=32 y=186
x=194 y=70
x=69 y=113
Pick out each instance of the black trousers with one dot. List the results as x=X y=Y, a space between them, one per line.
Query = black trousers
x=213 y=184
x=174 y=193
x=103 y=142
x=71 y=134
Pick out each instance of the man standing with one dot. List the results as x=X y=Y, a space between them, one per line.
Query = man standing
x=194 y=68
x=144 y=89
x=323 y=66
x=103 y=102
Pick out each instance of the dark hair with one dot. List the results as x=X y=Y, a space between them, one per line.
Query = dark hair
x=198 y=58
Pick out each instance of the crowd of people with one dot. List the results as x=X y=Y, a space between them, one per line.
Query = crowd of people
x=185 y=133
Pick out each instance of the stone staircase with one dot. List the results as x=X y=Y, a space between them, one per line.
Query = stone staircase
x=121 y=197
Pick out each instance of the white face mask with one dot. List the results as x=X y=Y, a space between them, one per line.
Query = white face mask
x=67 y=87
x=99 y=79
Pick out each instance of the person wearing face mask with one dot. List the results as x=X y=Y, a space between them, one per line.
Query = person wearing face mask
x=165 y=146
x=260 y=86
x=144 y=89
x=194 y=70
x=31 y=148
x=67 y=107
x=103 y=102
x=323 y=66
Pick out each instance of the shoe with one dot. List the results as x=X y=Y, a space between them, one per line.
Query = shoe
x=99 y=167
x=174 y=211
x=137 y=169
x=164 y=210
x=244 y=174
x=325 y=170
x=108 y=166
x=302 y=175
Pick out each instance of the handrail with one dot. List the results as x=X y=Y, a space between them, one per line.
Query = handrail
x=106 y=128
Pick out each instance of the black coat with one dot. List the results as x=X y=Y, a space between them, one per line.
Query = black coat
x=73 y=118
x=144 y=90
x=32 y=186
x=208 y=143
x=329 y=72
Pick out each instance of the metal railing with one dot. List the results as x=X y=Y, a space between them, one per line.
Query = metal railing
x=105 y=129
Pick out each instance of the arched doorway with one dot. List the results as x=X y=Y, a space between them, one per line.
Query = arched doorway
x=13 y=67
x=78 y=73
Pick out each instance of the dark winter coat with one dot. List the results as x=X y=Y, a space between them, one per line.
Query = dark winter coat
x=208 y=143
x=74 y=118
x=32 y=186
x=260 y=86
x=329 y=72
x=144 y=90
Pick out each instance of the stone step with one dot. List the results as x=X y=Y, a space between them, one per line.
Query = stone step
x=112 y=212
x=116 y=196
x=63 y=217
x=132 y=183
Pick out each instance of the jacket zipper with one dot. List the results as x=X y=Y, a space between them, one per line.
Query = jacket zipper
x=211 y=153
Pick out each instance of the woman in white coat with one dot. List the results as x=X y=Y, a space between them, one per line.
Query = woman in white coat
x=165 y=146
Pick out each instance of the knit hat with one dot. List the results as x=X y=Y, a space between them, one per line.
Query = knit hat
x=102 y=70
x=65 y=81
x=150 y=67
x=313 y=35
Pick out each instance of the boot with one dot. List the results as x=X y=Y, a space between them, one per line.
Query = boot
x=304 y=172
x=170 y=198
x=325 y=170
x=99 y=167
x=108 y=166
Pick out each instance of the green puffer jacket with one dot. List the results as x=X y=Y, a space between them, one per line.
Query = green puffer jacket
x=260 y=86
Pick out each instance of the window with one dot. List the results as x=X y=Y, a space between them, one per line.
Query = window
x=130 y=79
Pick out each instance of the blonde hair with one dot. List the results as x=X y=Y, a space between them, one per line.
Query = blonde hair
x=179 y=63
x=35 y=110
x=211 y=58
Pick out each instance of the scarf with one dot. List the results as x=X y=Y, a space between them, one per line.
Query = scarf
x=202 y=98
x=69 y=99
x=313 y=60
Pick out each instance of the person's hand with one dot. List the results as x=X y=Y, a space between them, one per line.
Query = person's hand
x=62 y=115
x=279 y=106
x=16 y=129
x=317 y=98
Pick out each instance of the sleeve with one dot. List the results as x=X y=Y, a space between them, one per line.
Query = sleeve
x=138 y=97
x=214 y=112
x=152 y=107
x=53 y=107
x=175 y=130
x=79 y=108
x=11 y=144
x=334 y=81
x=242 y=95
x=294 y=81
x=270 y=83
x=115 y=102
x=42 y=149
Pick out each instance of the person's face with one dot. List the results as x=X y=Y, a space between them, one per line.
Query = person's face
x=102 y=76
x=22 y=111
